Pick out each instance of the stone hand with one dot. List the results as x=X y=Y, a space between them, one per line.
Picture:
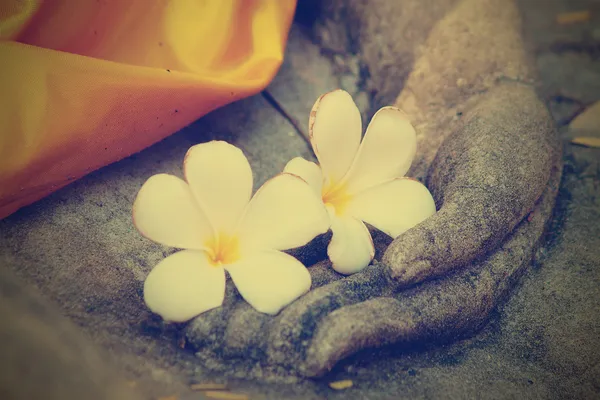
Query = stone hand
x=494 y=182
x=487 y=151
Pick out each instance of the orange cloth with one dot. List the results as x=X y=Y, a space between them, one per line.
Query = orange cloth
x=86 y=83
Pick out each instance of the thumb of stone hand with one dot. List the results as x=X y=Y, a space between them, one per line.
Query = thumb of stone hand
x=485 y=178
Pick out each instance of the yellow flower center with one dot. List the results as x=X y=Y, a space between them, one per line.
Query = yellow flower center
x=336 y=197
x=223 y=249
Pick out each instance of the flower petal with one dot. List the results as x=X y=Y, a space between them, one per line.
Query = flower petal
x=351 y=248
x=335 y=130
x=307 y=170
x=220 y=178
x=270 y=280
x=393 y=207
x=166 y=212
x=386 y=152
x=285 y=213
x=184 y=285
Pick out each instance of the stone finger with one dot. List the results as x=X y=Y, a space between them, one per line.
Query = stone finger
x=207 y=329
x=289 y=333
x=486 y=178
x=236 y=330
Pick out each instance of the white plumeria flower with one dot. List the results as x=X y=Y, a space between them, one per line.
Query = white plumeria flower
x=213 y=217
x=362 y=181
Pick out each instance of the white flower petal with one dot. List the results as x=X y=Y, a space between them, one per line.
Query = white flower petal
x=386 y=152
x=393 y=207
x=351 y=248
x=166 y=212
x=307 y=170
x=284 y=213
x=270 y=280
x=335 y=130
x=220 y=178
x=184 y=285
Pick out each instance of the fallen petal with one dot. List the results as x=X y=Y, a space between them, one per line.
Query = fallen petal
x=220 y=178
x=588 y=121
x=307 y=170
x=184 y=285
x=351 y=248
x=165 y=211
x=283 y=214
x=393 y=207
x=341 y=385
x=214 y=394
x=386 y=152
x=335 y=130
x=208 y=386
x=587 y=141
x=573 y=17
x=270 y=280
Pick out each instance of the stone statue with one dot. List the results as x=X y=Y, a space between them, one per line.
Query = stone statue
x=487 y=150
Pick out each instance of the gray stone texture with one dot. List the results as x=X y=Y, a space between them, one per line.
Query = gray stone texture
x=488 y=320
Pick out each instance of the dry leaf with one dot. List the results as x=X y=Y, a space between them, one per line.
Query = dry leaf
x=587 y=141
x=225 y=395
x=573 y=17
x=208 y=386
x=168 y=398
x=340 y=385
x=588 y=120
x=131 y=384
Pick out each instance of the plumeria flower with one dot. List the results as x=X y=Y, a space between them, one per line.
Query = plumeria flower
x=362 y=181
x=212 y=216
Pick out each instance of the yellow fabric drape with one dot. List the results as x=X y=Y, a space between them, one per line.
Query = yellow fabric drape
x=86 y=83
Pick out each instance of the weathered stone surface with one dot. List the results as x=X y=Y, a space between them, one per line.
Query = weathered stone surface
x=385 y=36
x=306 y=74
x=44 y=356
x=80 y=250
